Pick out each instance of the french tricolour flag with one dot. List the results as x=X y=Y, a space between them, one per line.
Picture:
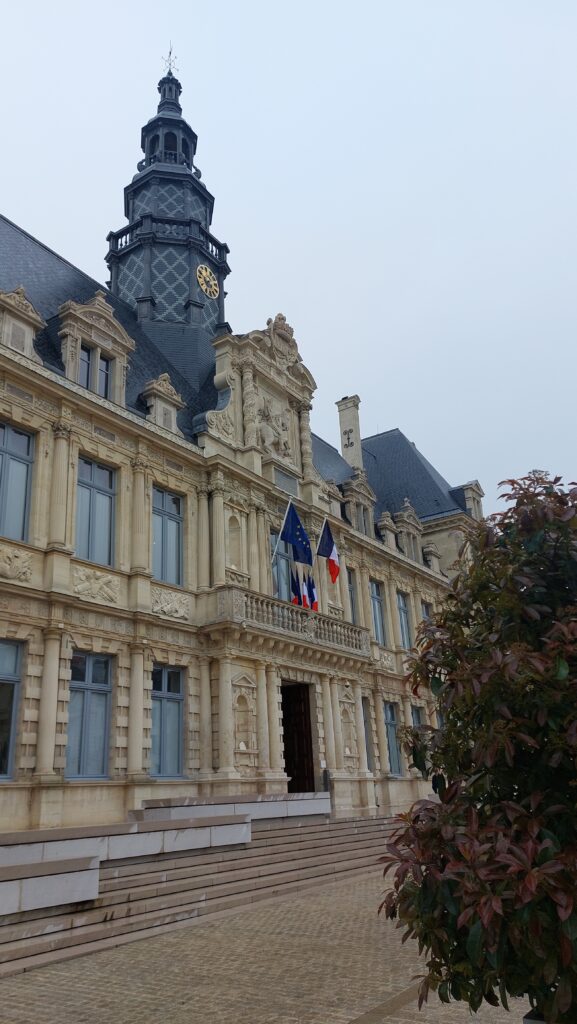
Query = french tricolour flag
x=328 y=549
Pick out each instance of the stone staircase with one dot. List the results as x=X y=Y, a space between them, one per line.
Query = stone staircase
x=142 y=897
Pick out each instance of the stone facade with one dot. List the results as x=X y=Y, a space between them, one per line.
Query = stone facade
x=175 y=677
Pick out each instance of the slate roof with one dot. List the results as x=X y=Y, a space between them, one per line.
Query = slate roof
x=49 y=281
x=328 y=462
x=396 y=470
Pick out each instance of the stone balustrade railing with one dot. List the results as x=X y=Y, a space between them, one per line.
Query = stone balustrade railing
x=279 y=616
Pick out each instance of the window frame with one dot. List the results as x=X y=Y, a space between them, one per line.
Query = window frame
x=391 y=712
x=404 y=619
x=281 y=562
x=15 y=681
x=94 y=489
x=107 y=376
x=86 y=686
x=7 y=456
x=162 y=698
x=377 y=608
x=427 y=610
x=165 y=515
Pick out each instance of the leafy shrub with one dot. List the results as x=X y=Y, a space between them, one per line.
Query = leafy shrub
x=485 y=876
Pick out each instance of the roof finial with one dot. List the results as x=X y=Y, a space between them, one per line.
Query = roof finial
x=170 y=61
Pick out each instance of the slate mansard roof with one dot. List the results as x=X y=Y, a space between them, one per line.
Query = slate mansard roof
x=395 y=468
x=49 y=280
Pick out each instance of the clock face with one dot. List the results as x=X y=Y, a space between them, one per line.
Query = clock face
x=207 y=281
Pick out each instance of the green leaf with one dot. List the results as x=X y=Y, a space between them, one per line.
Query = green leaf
x=436 y=685
x=475 y=942
x=562 y=669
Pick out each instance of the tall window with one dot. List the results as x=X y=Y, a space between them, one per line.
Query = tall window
x=403 y=606
x=95 y=512
x=167 y=702
x=88 y=711
x=392 y=728
x=85 y=366
x=281 y=567
x=16 y=451
x=377 y=607
x=9 y=679
x=166 y=536
x=352 y=588
x=104 y=368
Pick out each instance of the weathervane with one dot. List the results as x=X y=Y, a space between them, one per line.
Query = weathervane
x=170 y=61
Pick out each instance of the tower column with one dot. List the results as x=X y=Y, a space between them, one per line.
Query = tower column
x=217 y=539
x=337 y=725
x=262 y=718
x=225 y=719
x=136 y=710
x=274 y=728
x=203 y=549
x=205 y=738
x=139 y=518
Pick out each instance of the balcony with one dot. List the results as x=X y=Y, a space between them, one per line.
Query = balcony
x=231 y=604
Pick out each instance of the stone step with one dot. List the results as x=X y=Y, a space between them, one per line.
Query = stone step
x=170 y=908
x=109 y=941
x=109 y=904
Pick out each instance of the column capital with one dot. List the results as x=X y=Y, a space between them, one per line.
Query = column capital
x=139 y=464
x=53 y=632
x=61 y=429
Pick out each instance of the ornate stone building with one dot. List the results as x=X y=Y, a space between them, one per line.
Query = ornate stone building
x=148 y=644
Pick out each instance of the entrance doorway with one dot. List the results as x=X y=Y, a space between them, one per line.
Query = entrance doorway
x=298 y=742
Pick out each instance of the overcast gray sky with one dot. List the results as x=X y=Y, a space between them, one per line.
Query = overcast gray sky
x=398 y=178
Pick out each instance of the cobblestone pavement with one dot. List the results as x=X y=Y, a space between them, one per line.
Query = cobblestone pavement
x=321 y=957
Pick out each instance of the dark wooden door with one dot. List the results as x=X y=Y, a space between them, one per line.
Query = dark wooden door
x=298 y=744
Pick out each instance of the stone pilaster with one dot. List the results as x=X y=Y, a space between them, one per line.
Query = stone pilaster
x=205 y=737
x=140 y=534
x=264 y=552
x=360 y=728
x=328 y=724
x=274 y=727
x=217 y=536
x=136 y=712
x=306 y=442
x=225 y=720
x=203 y=540
x=59 y=486
x=47 y=714
x=337 y=725
x=253 y=550
x=262 y=719
x=365 y=600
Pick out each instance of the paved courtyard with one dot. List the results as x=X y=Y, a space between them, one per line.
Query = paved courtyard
x=321 y=957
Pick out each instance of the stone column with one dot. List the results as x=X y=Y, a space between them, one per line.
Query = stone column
x=360 y=728
x=344 y=583
x=337 y=725
x=140 y=555
x=264 y=552
x=392 y=591
x=225 y=718
x=306 y=443
x=407 y=721
x=382 y=733
x=46 y=741
x=59 y=485
x=328 y=724
x=390 y=613
x=205 y=737
x=217 y=537
x=274 y=728
x=365 y=601
x=249 y=407
x=262 y=718
x=253 y=551
x=203 y=539
x=136 y=710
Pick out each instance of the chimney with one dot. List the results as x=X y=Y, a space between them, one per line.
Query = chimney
x=350 y=430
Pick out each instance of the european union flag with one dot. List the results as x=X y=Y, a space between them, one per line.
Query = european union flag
x=294 y=533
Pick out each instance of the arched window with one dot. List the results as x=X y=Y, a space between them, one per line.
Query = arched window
x=170 y=147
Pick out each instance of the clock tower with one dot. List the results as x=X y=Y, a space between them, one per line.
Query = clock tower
x=165 y=263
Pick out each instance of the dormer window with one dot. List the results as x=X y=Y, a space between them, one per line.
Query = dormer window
x=95 y=348
x=19 y=322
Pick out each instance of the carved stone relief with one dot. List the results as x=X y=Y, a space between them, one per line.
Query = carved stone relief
x=95 y=585
x=170 y=603
x=14 y=564
x=273 y=428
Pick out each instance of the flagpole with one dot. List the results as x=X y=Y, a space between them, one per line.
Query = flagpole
x=289 y=503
